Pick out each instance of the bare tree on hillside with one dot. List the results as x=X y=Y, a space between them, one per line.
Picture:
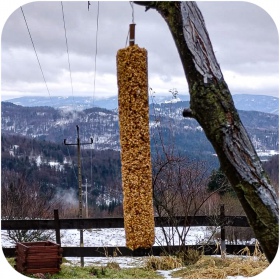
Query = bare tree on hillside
x=179 y=186
x=21 y=200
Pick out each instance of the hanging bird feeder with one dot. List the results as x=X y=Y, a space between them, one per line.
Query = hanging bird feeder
x=133 y=99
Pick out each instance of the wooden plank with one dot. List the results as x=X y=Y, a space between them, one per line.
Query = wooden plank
x=26 y=224
x=91 y=223
x=240 y=221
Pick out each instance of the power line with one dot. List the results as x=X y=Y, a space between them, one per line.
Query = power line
x=44 y=78
x=70 y=74
x=66 y=41
x=94 y=81
x=96 y=46
x=35 y=51
x=86 y=197
x=69 y=65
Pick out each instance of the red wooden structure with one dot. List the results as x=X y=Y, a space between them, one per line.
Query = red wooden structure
x=38 y=257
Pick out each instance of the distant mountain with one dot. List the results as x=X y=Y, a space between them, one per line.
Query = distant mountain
x=32 y=139
x=261 y=103
x=66 y=103
x=246 y=102
x=167 y=126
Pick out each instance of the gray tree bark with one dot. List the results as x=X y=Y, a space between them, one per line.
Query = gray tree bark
x=212 y=106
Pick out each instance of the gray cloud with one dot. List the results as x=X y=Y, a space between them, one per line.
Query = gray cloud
x=243 y=35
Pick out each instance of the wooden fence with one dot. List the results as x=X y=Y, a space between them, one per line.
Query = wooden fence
x=94 y=223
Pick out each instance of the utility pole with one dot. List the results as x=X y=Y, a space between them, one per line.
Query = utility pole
x=78 y=144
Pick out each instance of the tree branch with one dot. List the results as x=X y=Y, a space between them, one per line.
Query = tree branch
x=187 y=113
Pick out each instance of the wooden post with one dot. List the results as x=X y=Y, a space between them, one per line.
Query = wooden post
x=57 y=226
x=223 y=232
x=78 y=144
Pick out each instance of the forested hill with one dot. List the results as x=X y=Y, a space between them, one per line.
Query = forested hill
x=32 y=144
x=166 y=125
x=54 y=166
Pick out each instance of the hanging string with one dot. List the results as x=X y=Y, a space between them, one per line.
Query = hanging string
x=132 y=11
x=132 y=20
x=126 y=41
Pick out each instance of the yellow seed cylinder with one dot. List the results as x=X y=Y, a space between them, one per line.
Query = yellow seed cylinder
x=133 y=99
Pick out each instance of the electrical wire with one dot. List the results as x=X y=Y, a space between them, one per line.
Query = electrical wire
x=66 y=41
x=70 y=74
x=35 y=51
x=34 y=48
x=96 y=49
x=94 y=84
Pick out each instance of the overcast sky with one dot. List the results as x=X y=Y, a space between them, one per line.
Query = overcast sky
x=244 y=37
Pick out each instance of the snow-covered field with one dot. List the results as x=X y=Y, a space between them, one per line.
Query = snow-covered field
x=111 y=238
x=116 y=237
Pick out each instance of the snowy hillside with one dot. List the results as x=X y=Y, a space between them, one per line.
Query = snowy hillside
x=166 y=121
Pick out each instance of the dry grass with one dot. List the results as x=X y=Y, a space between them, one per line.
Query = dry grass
x=197 y=266
x=191 y=256
x=163 y=263
x=210 y=267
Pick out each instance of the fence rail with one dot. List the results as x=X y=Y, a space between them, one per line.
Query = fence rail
x=91 y=223
x=88 y=223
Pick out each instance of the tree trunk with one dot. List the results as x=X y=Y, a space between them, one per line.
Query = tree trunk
x=212 y=106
